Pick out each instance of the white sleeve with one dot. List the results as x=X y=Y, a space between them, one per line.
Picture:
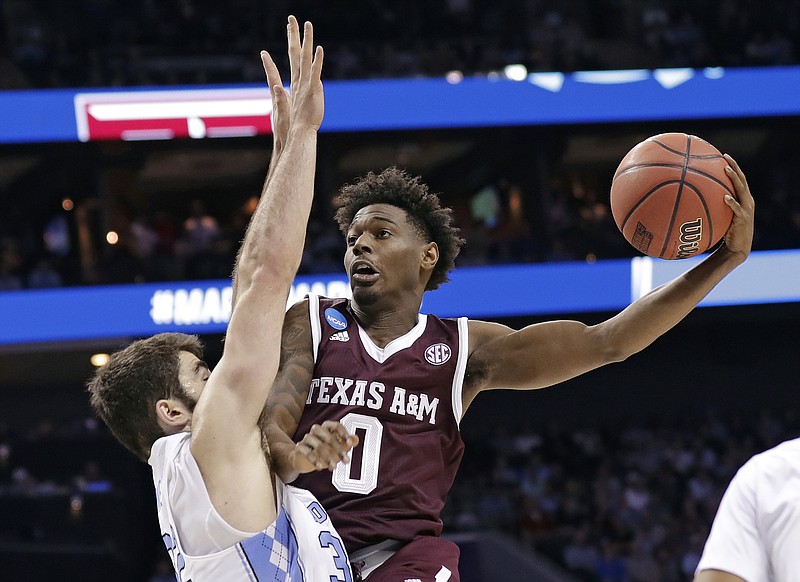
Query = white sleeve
x=735 y=544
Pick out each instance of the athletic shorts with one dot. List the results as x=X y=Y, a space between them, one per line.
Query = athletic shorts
x=426 y=559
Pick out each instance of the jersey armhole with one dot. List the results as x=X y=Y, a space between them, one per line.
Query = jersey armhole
x=461 y=368
x=316 y=327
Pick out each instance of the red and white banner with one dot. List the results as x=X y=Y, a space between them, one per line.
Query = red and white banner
x=154 y=115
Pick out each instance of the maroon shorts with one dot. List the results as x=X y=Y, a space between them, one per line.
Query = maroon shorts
x=423 y=559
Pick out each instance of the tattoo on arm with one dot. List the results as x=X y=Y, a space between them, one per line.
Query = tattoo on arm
x=294 y=374
x=287 y=399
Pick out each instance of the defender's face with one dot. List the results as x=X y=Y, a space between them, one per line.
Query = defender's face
x=384 y=253
x=193 y=374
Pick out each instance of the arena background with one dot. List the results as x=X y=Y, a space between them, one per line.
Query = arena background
x=612 y=476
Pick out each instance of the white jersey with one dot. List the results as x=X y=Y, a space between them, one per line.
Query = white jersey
x=756 y=532
x=301 y=545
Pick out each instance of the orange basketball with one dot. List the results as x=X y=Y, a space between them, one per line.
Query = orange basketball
x=667 y=196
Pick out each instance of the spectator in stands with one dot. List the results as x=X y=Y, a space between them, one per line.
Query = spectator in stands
x=157 y=45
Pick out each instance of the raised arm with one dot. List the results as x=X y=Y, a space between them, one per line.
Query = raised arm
x=226 y=437
x=279 y=120
x=544 y=354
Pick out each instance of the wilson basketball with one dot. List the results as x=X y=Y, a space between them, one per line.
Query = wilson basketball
x=667 y=196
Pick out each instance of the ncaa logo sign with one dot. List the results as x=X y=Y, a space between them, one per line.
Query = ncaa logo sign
x=438 y=354
x=335 y=319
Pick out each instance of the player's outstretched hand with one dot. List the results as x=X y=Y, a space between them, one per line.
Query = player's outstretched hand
x=739 y=238
x=304 y=102
x=323 y=447
x=280 y=102
x=307 y=99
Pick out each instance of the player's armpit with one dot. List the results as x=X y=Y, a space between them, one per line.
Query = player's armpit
x=717 y=576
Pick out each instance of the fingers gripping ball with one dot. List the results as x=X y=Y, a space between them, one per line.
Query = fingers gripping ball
x=668 y=196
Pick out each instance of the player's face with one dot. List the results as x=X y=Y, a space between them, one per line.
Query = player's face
x=193 y=374
x=384 y=253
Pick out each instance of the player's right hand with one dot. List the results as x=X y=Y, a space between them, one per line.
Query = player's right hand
x=304 y=103
x=280 y=102
x=324 y=447
x=307 y=98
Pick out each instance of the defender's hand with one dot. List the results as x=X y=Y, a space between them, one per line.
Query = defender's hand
x=280 y=102
x=307 y=98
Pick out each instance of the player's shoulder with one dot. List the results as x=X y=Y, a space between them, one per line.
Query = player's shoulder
x=451 y=321
x=482 y=332
x=313 y=300
x=172 y=441
x=790 y=446
x=168 y=447
x=300 y=305
x=297 y=313
x=785 y=452
x=780 y=462
x=478 y=325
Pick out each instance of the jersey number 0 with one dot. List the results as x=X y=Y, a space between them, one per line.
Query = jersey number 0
x=370 y=448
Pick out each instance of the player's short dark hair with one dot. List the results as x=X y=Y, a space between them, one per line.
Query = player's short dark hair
x=124 y=391
x=396 y=187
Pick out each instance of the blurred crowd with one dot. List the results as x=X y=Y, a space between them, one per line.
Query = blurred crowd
x=502 y=222
x=106 y=43
x=101 y=43
x=61 y=43
x=630 y=503
x=160 y=245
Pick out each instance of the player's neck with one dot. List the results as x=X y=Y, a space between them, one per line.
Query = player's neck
x=384 y=325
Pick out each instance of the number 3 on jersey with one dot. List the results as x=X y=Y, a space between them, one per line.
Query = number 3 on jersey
x=370 y=449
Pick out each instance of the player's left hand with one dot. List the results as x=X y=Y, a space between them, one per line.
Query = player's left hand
x=324 y=447
x=739 y=238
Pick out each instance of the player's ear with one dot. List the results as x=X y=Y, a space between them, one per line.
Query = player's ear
x=430 y=256
x=172 y=415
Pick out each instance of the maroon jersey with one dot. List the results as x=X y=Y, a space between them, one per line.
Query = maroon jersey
x=404 y=403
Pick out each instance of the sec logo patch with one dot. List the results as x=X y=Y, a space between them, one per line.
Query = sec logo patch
x=438 y=354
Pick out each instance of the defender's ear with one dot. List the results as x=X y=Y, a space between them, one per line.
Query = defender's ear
x=173 y=416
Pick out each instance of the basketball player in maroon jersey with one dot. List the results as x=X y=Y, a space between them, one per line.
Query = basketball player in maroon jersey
x=402 y=380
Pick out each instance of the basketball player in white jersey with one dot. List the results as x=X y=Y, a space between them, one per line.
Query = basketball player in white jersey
x=223 y=516
x=755 y=536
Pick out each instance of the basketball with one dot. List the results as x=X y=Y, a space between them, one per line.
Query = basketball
x=668 y=196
